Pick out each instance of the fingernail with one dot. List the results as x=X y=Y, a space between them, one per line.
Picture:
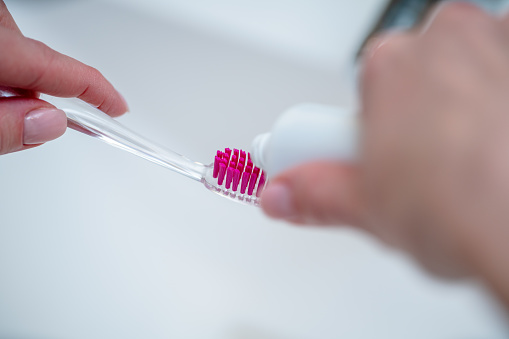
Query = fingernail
x=43 y=124
x=277 y=201
x=374 y=43
x=371 y=46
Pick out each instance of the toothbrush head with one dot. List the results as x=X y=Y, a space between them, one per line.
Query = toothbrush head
x=234 y=175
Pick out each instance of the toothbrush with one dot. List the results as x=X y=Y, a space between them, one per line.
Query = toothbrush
x=232 y=174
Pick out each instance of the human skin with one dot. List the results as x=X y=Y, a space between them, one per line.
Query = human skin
x=432 y=178
x=27 y=68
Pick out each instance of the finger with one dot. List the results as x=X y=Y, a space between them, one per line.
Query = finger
x=6 y=19
x=385 y=57
x=456 y=15
x=31 y=65
x=504 y=19
x=316 y=193
x=25 y=122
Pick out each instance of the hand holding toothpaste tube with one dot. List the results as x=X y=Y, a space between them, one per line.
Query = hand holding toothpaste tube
x=432 y=175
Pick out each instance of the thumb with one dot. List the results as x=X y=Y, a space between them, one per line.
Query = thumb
x=316 y=193
x=27 y=122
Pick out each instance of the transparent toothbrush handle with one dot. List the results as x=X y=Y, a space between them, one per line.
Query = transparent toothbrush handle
x=89 y=120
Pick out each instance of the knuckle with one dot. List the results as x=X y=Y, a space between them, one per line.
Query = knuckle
x=45 y=52
x=46 y=57
x=36 y=43
x=93 y=85
x=94 y=73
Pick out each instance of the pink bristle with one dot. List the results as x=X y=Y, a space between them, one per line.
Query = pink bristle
x=245 y=181
x=261 y=182
x=222 y=172
x=240 y=167
x=226 y=159
x=252 y=181
x=229 y=177
x=233 y=168
x=249 y=169
x=217 y=160
x=236 y=180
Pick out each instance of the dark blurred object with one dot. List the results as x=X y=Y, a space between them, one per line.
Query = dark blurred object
x=8 y=92
x=405 y=14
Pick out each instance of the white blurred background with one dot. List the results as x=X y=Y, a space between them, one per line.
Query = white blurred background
x=96 y=243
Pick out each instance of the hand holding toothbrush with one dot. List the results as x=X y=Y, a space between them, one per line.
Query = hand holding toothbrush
x=27 y=68
x=432 y=177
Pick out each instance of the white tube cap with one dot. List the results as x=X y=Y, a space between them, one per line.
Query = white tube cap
x=305 y=133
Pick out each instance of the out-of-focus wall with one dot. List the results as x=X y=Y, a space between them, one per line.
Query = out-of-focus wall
x=320 y=33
